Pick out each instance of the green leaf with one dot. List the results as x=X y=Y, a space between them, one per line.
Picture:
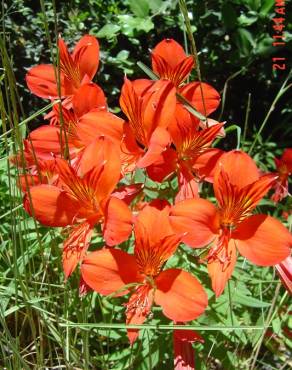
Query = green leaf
x=229 y=16
x=256 y=334
x=266 y=7
x=156 y=5
x=140 y=8
x=145 y=25
x=108 y=31
x=244 y=41
x=150 y=353
x=264 y=47
x=244 y=300
x=248 y=19
x=123 y=55
x=148 y=71
x=130 y=24
x=253 y=4
x=139 y=175
x=276 y=323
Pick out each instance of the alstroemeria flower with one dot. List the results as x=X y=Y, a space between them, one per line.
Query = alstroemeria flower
x=170 y=62
x=260 y=238
x=42 y=173
x=81 y=200
x=284 y=170
x=150 y=108
x=74 y=131
x=107 y=271
x=88 y=97
x=75 y=69
x=184 y=356
x=284 y=270
x=192 y=159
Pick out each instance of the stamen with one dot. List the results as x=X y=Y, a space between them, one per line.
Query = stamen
x=220 y=250
x=140 y=302
x=78 y=239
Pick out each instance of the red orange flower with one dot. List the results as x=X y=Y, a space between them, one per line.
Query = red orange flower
x=81 y=200
x=284 y=270
x=75 y=69
x=238 y=189
x=193 y=158
x=284 y=170
x=74 y=131
x=107 y=271
x=87 y=98
x=150 y=108
x=184 y=358
x=170 y=62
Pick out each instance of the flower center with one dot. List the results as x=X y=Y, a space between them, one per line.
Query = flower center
x=70 y=70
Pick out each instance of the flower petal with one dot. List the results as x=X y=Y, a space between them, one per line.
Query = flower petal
x=163 y=166
x=284 y=270
x=130 y=151
x=86 y=55
x=41 y=81
x=45 y=141
x=220 y=272
x=158 y=106
x=197 y=218
x=171 y=51
x=180 y=295
x=127 y=193
x=184 y=358
x=240 y=168
x=26 y=181
x=99 y=123
x=83 y=287
x=175 y=74
x=138 y=308
x=152 y=215
x=141 y=85
x=287 y=159
x=158 y=142
x=75 y=246
x=238 y=203
x=205 y=164
x=129 y=102
x=263 y=240
x=51 y=206
x=187 y=184
x=107 y=271
x=118 y=222
x=101 y=163
x=88 y=97
x=192 y=92
x=211 y=122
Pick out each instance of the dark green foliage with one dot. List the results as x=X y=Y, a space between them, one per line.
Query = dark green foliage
x=234 y=42
x=231 y=36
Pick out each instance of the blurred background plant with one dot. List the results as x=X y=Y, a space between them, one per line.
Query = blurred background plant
x=235 y=50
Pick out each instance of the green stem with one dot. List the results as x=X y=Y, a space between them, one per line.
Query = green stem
x=88 y=326
x=246 y=118
x=184 y=10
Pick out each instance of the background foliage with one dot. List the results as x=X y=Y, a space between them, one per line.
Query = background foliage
x=235 y=50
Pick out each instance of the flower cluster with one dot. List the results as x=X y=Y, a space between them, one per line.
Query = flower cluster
x=79 y=175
